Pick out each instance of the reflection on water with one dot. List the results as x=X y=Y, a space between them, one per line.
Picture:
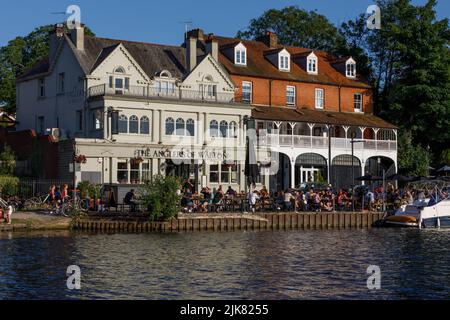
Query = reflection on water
x=312 y=264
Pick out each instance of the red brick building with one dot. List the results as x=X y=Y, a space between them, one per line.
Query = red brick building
x=302 y=100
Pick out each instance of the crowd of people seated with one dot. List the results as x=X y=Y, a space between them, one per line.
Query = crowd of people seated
x=208 y=200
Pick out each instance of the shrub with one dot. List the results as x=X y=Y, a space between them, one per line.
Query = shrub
x=7 y=161
x=8 y=185
x=160 y=197
x=84 y=187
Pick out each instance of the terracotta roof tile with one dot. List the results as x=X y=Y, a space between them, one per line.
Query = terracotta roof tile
x=259 y=66
x=320 y=116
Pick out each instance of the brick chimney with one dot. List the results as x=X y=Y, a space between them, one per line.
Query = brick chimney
x=270 y=39
x=77 y=36
x=56 y=37
x=191 y=54
x=212 y=47
x=196 y=33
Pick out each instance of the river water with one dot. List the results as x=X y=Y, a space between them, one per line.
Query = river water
x=315 y=264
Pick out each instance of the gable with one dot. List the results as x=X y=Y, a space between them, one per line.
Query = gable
x=208 y=68
x=117 y=56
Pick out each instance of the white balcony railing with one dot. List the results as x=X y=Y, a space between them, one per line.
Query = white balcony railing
x=147 y=92
x=296 y=141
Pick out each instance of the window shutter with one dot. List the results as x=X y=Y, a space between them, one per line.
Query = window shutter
x=127 y=83
x=115 y=122
x=111 y=81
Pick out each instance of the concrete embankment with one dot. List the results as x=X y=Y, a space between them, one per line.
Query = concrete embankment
x=232 y=222
x=35 y=221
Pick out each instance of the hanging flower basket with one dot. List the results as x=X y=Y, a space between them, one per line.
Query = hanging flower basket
x=138 y=160
x=80 y=159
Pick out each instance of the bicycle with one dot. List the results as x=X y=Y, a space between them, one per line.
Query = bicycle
x=35 y=203
x=62 y=209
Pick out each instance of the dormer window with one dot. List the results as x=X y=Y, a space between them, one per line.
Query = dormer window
x=284 y=62
x=312 y=65
x=119 y=82
x=240 y=55
x=350 y=68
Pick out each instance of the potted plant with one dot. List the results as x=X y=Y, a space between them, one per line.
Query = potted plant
x=80 y=158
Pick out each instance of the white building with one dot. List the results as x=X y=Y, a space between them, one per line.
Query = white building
x=132 y=110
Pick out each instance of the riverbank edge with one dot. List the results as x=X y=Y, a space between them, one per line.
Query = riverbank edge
x=338 y=220
x=266 y=221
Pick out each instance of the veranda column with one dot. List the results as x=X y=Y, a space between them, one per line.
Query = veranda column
x=161 y=123
x=375 y=132
x=363 y=170
x=293 y=174
x=205 y=129
x=311 y=127
x=346 y=135
x=199 y=130
x=154 y=126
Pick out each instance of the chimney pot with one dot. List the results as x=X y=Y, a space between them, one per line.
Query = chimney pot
x=196 y=33
x=270 y=39
x=56 y=37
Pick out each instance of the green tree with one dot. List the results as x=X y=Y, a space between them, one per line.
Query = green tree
x=19 y=55
x=409 y=69
x=160 y=197
x=7 y=161
x=413 y=160
x=445 y=157
x=295 y=27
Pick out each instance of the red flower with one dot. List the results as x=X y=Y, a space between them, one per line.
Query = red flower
x=80 y=159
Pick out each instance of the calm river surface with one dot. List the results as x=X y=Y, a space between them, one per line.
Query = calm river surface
x=312 y=264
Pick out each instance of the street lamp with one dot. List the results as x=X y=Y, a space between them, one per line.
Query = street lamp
x=330 y=128
x=353 y=141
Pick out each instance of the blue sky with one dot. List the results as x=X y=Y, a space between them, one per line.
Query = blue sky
x=162 y=21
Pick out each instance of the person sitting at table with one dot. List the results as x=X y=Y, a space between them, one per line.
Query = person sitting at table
x=279 y=201
x=231 y=191
x=129 y=200
x=187 y=184
x=218 y=197
x=265 y=197
x=206 y=193
x=287 y=200
x=186 y=201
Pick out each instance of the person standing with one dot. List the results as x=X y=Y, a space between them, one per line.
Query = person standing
x=252 y=198
x=9 y=213
x=129 y=200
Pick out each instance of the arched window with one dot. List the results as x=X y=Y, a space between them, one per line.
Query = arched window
x=224 y=129
x=214 y=129
x=119 y=70
x=170 y=126
x=145 y=125
x=134 y=125
x=123 y=124
x=119 y=82
x=190 y=127
x=233 y=130
x=180 y=127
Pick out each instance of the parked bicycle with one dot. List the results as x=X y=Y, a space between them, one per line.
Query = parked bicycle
x=36 y=203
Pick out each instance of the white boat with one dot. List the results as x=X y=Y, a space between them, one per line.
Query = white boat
x=427 y=213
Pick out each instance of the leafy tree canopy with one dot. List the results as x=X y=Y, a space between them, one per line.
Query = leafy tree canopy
x=295 y=27
x=19 y=55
